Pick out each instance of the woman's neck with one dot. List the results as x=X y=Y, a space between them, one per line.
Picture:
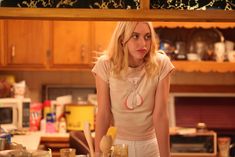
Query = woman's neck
x=135 y=63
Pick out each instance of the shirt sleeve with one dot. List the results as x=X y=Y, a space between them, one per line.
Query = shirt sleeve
x=165 y=66
x=102 y=68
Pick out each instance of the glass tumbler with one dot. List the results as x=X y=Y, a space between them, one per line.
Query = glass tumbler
x=120 y=150
x=67 y=152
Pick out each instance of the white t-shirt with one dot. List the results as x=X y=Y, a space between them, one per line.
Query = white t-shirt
x=133 y=97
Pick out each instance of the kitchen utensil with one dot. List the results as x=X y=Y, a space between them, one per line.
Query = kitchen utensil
x=106 y=144
x=112 y=131
x=87 y=133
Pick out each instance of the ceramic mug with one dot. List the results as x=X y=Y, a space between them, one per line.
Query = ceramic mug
x=229 y=45
x=219 y=48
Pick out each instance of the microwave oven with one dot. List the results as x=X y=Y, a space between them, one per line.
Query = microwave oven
x=15 y=113
x=194 y=144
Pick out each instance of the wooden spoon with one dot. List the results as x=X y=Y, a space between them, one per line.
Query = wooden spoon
x=106 y=144
x=88 y=137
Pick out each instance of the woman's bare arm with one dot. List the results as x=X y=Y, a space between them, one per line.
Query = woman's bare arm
x=160 y=116
x=104 y=114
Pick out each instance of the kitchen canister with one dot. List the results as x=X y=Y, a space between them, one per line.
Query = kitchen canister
x=219 y=49
x=229 y=46
x=223 y=145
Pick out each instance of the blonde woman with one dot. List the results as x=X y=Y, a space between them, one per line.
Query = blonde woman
x=132 y=82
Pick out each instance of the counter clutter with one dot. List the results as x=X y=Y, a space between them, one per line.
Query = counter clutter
x=32 y=142
x=184 y=141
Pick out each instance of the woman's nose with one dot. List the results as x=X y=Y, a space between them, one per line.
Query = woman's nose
x=142 y=41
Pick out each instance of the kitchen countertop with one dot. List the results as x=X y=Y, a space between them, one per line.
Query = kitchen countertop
x=31 y=140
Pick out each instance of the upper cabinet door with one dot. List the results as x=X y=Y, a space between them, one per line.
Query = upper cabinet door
x=27 y=43
x=71 y=44
x=102 y=34
x=1 y=44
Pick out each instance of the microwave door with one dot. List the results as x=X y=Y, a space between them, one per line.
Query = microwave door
x=8 y=117
x=24 y=114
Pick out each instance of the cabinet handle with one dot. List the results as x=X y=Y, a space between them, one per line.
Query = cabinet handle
x=82 y=53
x=13 y=48
x=48 y=53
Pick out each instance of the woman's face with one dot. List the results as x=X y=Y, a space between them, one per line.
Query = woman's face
x=139 y=44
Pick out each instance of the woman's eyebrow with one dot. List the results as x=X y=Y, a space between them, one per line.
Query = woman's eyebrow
x=148 y=33
x=135 y=33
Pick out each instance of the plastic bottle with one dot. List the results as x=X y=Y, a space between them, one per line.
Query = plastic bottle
x=46 y=108
x=43 y=125
x=50 y=123
x=62 y=125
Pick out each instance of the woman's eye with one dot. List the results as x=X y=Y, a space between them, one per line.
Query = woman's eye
x=147 y=37
x=135 y=36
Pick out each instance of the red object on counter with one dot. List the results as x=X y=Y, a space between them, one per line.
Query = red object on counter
x=35 y=116
x=46 y=108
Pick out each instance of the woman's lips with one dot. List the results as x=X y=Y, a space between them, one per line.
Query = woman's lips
x=142 y=50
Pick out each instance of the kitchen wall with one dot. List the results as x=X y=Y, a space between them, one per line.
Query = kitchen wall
x=35 y=79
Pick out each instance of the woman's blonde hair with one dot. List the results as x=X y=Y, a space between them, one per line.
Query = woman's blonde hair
x=118 y=51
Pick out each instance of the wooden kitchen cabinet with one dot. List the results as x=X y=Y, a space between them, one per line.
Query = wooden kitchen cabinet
x=102 y=32
x=54 y=45
x=71 y=44
x=26 y=43
x=76 y=44
x=1 y=44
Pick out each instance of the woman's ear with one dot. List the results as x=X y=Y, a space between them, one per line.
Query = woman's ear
x=122 y=43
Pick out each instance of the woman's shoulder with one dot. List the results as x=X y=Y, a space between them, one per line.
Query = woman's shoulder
x=103 y=58
x=161 y=56
x=103 y=61
x=165 y=63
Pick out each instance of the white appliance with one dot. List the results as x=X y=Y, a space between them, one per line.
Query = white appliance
x=14 y=113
